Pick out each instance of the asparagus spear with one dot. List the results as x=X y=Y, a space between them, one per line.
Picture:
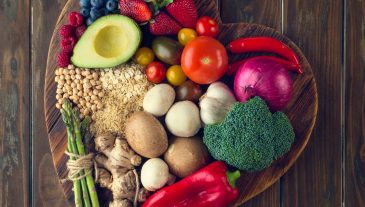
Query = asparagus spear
x=81 y=150
x=77 y=183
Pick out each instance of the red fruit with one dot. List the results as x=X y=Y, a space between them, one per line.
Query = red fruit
x=135 y=9
x=75 y=19
x=67 y=31
x=163 y=24
x=80 y=31
x=68 y=44
x=63 y=59
x=184 y=11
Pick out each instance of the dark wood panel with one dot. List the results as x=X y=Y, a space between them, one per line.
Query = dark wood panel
x=14 y=103
x=315 y=180
x=266 y=12
x=47 y=190
x=355 y=104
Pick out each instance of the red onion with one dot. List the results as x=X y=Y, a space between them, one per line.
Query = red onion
x=265 y=78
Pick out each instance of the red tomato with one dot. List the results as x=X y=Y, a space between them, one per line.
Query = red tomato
x=204 y=60
x=207 y=26
x=156 y=72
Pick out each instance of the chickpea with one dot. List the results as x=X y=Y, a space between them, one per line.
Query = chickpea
x=87 y=111
x=62 y=77
x=99 y=105
x=59 y=91
x=73 y=85
x=56 y=79
x=98 y=87
x=95 y=92
x=87 y=72
x=75 y=91
x=88 y=105
x=82 y=102
x=68 y=88
x=79 y=86
x=86 y=90
x=90 y=94
x=87 y=98
x=66 y=95
x=82 y=111
x=93 y=97
x=69 y=82
x=72 y=72
x=92 y=82
x=78 y=71
x=79 y=93
x=101 y=94
x=73 y=77
x=87 y=85
x=58 y=105
x=65 y=72
x=93 y=108
x=58 y=96
x=93 y=117
x=71 y=67
x=64 y=89
x=95 y=75
x=67 y=77
x=78 y=76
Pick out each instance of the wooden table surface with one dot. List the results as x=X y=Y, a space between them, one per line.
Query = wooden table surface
x=329 y=173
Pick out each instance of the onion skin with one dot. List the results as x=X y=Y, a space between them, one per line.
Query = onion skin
x=264 y=78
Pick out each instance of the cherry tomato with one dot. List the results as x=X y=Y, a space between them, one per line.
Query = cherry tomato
x=204 y=60
x=189 y=91
x=144 y=56
x=186 y=35
x=175 y=75
x=207 y=26
x=156 y=72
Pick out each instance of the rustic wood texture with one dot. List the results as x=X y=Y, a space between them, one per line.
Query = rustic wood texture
x=46 y=189
x=302 y=109
x=354 y=179
x=316 y=26
x=14 y=101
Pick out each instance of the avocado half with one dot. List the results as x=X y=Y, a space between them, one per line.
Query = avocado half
x=110 y=41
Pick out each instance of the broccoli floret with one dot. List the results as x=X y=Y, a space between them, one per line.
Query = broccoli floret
x=246 y=137
x=284 y=135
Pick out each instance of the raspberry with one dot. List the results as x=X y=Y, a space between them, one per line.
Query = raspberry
x=63 y=59
x=76 y=19
x=67 y=31
x=68 y=44
x=80 y=30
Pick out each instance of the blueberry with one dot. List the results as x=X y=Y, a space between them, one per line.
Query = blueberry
x=85 y=3
x=111 y=5
x=97 y=3
x=95 y=13
x=89 y=21
x=85 y=11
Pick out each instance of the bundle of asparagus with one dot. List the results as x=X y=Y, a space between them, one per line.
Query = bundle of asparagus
x=83 y=182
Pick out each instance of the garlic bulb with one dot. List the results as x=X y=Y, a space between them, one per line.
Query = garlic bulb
x=215 y=104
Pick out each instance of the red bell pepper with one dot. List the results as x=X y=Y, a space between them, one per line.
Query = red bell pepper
x=232 y=68
x=264 y=44
x=212 y=186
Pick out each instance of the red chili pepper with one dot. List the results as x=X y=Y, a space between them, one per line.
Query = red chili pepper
x=212 y=186
x=232 y=69
x=264 y=44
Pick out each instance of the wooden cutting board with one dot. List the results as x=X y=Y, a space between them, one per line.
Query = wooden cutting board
x=302 y=109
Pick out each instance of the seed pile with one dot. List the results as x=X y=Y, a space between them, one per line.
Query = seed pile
x=124 y=88
x=82 y=87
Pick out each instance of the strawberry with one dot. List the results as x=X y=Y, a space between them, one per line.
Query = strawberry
x=184 y=11
x=163 y=24
x=135 y=9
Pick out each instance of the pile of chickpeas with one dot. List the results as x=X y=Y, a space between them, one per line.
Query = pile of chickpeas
x=82 y=87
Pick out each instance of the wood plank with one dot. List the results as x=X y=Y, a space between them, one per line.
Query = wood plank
x=316 y=26
x=355 y=104
x=46 y=189
x=14 y=103
x=265 y=12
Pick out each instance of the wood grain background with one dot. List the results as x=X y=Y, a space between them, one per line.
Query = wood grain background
x=330 y=172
